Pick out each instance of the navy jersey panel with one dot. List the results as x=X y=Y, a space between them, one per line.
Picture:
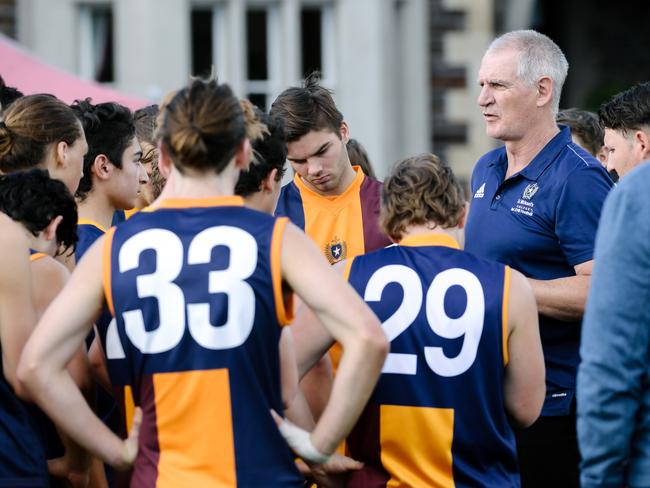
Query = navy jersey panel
x=290 y=205
x=229 y=285
x=22 y=455
x=483 y=447
x=87 y=235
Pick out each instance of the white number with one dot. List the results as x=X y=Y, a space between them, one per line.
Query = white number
x=241 y=298
x=403 y=316
x=169 y=263
x=469 y=324
x=171 y=300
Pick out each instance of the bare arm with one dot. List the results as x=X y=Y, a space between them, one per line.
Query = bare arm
x=524 y=387
x=564 y=298
x=349 y=320
x=57 y=337
x=50 y=276
x=17 y=312
x=97 y=361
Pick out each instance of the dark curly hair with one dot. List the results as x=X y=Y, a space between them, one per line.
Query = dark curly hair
x=8 y=94
x=420 y=190
x=628 y=110
x=270 y=153
x=32 y=198
x=307 y=108
x=109 y=129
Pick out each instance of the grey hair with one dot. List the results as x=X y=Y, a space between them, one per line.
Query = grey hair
x=539 y=57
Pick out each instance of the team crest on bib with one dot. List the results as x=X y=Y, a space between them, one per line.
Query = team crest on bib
x=530 y=191
x=336 y=250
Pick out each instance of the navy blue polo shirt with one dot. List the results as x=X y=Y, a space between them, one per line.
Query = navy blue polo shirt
x=542 y=222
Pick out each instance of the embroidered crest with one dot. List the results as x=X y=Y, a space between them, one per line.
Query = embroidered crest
x=530 y=191
x=336 y=250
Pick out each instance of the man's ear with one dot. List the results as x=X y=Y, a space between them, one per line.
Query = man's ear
x=642 y=141
x=268 y=183
x=344 y=131
x=544 y=91
x=50 y=231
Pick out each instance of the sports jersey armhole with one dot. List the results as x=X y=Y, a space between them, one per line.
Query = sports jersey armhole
x=283 y=310
x=36 y=256
x=106 y=268
x=504 y=313
x=346 y=270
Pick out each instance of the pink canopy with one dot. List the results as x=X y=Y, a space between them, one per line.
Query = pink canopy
x=28 y=74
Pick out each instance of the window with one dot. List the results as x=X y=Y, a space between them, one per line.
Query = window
x=96 y=43
x=311 y=40
x=246 y=40
x=202 y=35
x=317 y=39
x=263 y=52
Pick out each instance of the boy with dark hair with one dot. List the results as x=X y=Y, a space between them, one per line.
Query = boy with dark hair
x=113 y=172
x=334 y=203
x=626 y=119
x=113 y=176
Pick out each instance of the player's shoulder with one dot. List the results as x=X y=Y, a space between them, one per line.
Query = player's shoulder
x=46 y=269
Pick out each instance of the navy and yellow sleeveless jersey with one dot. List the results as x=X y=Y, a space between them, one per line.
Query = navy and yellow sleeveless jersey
x=88 y=232
x=22 y=455
x=342 y=226
x=195 y=287
x=437 y=416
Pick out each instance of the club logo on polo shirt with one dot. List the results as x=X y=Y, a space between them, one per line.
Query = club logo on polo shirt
x=524 y=206
x=530 y=191
x=336 y=250
x=480 y=193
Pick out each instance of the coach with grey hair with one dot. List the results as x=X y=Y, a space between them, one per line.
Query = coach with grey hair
x=536 y=205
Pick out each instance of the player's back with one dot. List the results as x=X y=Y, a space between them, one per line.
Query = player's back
x=22 y=455
x=196 y=290
x=437 y=416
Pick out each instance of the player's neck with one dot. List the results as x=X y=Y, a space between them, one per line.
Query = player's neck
x=202 y=185
x=97 y=207
x=34 y=241
x=431 y=229
x=258 y=201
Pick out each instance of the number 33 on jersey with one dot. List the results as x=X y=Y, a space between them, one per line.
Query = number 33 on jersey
x=195 y=289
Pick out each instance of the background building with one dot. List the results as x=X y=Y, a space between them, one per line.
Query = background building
x=403 y=71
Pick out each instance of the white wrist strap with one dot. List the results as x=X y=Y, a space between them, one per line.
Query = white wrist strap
x=299 y=440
